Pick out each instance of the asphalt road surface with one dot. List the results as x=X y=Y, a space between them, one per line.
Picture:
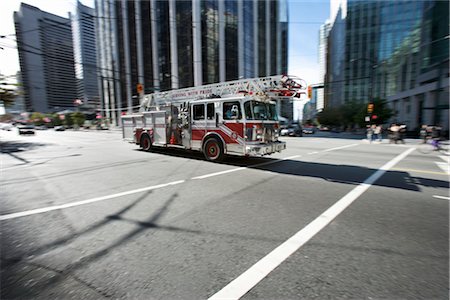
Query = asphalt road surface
x=85 y=215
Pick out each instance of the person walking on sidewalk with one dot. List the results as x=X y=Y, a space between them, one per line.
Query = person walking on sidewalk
x=369 y=133
x=378 y=133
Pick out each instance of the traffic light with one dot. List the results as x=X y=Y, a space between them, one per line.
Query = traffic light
x=139 y=88
x=309 y=91
x=370 y=108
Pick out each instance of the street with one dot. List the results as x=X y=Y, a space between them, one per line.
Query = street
x=85 y=215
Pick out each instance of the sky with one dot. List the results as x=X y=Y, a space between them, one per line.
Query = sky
x=305 y=17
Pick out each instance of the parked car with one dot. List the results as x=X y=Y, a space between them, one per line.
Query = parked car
x=59 y=128
x=292 y=130
x=309 y=130
x=26 y=129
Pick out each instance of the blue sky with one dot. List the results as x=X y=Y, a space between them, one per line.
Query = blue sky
x=306 y=17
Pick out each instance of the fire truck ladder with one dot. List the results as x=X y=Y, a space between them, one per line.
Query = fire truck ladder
x=266 y=87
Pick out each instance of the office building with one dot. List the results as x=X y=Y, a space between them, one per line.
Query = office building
x=163 y=45
x=44 y=43
x=83 y=29
x=323 y=48
x=392 y=50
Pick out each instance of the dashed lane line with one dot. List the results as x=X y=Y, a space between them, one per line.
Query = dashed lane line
x=97 y=199
x=441 y=197
x=83 y=202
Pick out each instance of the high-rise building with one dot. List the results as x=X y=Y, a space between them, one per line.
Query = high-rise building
x=323 y=46
x=83 y=28
x=392 y=50
x=44 y=42
x=161 y=45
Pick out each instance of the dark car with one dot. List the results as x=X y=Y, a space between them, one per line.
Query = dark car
x=309 y=130
x=292 y=130
x=26 y=129
x=59 y=128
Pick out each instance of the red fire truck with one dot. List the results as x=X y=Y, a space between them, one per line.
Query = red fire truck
x=236 y=117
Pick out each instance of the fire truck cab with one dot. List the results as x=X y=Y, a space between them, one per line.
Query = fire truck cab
x=243 y=123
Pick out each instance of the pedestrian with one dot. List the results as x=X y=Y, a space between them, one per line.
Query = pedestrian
x=436 y=132
x=395 y=134
x=374 y=136
x=424 y=133
x=369 y=133
x=378 y=133
x=401 y=133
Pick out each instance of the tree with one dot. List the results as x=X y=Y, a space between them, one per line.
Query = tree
x=352 y=113
x=56 y=120
x=7 y=93
x=37 y=118
x=78 y=118
x=330 y=117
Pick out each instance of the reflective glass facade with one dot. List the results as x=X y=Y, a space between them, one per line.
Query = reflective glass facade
x=393 y=50
x=165 y=44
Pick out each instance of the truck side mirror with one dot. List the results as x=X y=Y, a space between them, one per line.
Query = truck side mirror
x=217 y=120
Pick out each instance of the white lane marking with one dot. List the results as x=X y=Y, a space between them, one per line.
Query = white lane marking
x=55 y=207
x=72 y=204
x=219 y=173
x=443 y=166
x=266 y=163
x=441 y=197
x=244 y=168
x=338 y=148
x=246 y=281
x=445 y=158
x=275 y=161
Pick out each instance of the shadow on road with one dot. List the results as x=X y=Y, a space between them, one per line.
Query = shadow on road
x=15 y=146
x=346 y=174
x=339 y=173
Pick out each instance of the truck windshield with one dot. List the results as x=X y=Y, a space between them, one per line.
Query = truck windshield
x=255 y=110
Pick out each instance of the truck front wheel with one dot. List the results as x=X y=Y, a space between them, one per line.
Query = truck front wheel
x=213 y=150
x=146 y=143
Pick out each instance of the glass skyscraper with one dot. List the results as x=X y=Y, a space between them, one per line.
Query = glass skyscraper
x=172 y=44
x=44 y=43
x=83 y=29
x=392 y=50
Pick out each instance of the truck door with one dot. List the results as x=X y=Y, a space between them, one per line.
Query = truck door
x=233 y=125
x=211 y=122
x=198 y=125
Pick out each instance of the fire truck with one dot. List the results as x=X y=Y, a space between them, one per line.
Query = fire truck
x=238 y=117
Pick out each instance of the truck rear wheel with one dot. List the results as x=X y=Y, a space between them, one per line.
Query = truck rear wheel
x=213 y=150
x=146 y=143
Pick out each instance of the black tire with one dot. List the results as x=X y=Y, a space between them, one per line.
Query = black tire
x=213 y=150
x=146 y=142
